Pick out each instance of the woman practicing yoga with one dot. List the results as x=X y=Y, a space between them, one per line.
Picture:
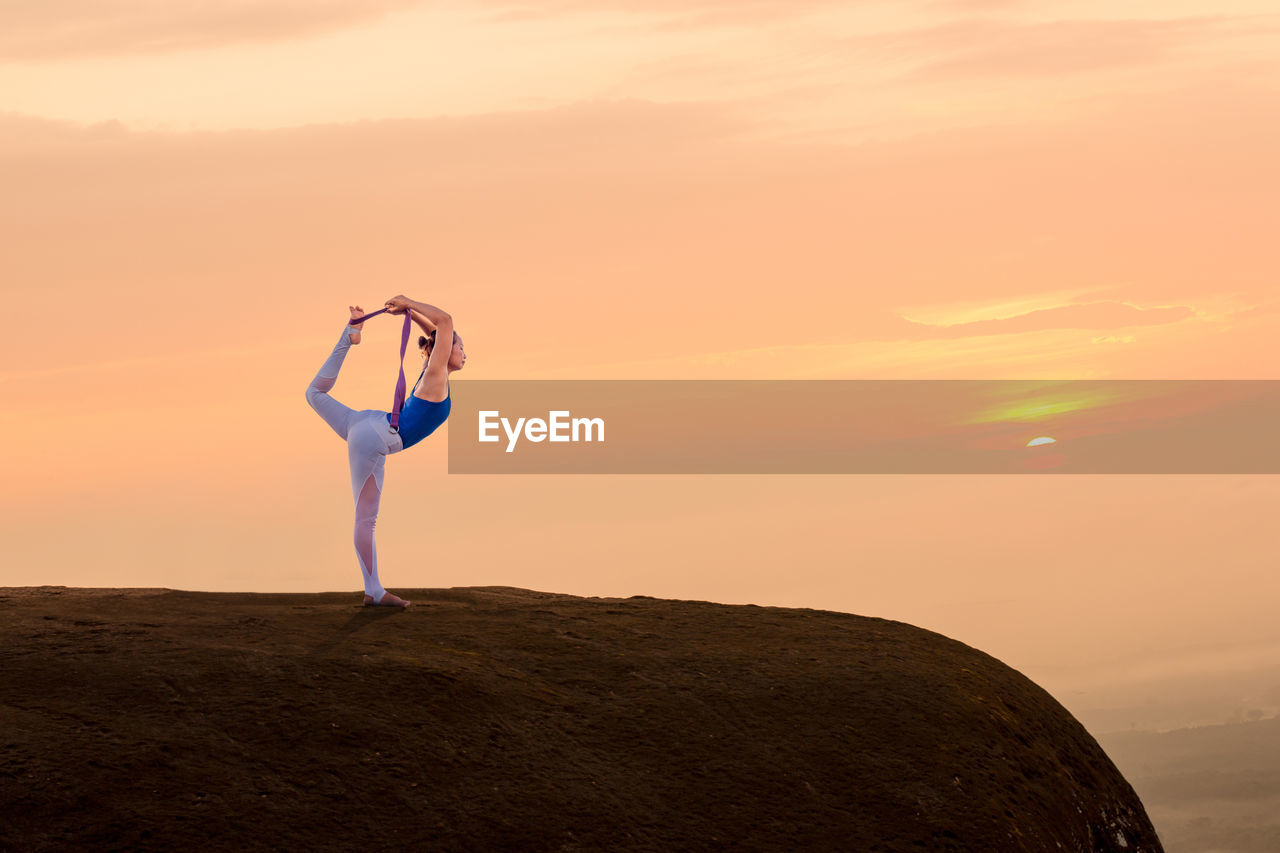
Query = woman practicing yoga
x=369 y=434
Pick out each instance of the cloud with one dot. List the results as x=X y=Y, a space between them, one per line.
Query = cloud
x=720 y=10
x=1271 y=307
x=20 y=132
x=974 y=5
x=572 y=134
x=55 y=29
x=991 y=48
x=1093 y=315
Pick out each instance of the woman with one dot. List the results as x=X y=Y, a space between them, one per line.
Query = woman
x=368 y=432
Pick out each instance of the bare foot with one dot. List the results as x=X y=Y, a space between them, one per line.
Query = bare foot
x=388 y=600
x=356 y=311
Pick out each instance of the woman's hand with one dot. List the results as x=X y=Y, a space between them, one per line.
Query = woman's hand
x=356 y=311
x=398 y=304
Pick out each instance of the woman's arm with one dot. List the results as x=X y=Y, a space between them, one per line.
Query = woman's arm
x=433 y=314
x=422 y=321
x=400 y=304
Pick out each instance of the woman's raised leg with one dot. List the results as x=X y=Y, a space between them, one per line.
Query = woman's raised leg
x=335 y=414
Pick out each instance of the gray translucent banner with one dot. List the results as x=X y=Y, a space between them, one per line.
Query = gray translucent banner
x=864 y=427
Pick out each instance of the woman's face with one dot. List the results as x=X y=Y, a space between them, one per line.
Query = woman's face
x=458 y=357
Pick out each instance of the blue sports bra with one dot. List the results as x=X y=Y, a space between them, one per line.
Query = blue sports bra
x=419 y=418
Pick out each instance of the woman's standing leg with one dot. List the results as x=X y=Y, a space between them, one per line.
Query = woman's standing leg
x=334 y=413
x=367 y=452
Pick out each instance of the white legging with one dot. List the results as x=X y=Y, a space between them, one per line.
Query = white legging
x=369 y=441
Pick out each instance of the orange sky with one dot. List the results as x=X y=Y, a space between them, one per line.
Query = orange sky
x=696 y=189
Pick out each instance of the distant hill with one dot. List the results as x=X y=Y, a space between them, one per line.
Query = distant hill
x=493 y=718
x=1207 y=788
x=1202 y=697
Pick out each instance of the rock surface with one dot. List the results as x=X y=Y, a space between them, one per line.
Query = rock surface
x=494 y=718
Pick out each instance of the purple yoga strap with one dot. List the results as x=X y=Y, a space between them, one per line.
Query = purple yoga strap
x=401 y=385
